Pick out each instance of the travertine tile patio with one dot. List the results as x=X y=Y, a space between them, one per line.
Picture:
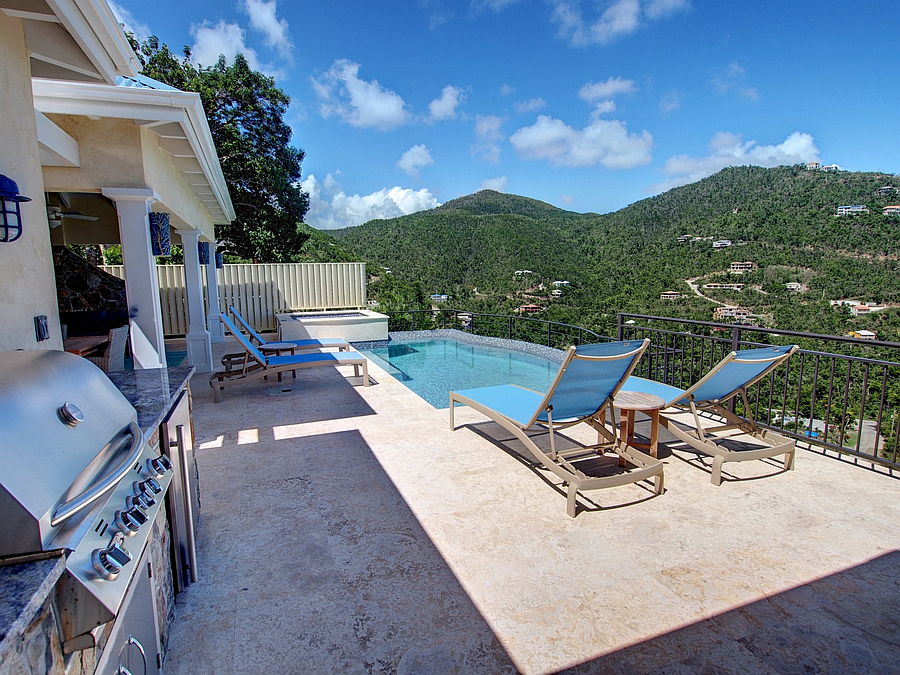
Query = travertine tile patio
x=346 y=529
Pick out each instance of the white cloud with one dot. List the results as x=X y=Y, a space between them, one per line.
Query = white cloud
x=733 y=78
x=228 y=40
x=489 y=130
x=140 y=29
x=658 y=9
x=330 y=208
x=362 y=104
x=603 y=107
x=727 y=149
x=604 y=142
x=493 y=5
x=444 y=108
x=507 y=89
x=670 y=101
x=414 y=159
x=622 y=17
x=275 y=31
x=499 y=184
x=610 y=88
x=567 y=199
x=529 y=105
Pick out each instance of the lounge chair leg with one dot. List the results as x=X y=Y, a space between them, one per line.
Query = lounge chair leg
x=789 y=458
x=452 y=409
x=660 y=484
x=365 y=366
x=217 y=393
x=716 y=478
x=571 y=505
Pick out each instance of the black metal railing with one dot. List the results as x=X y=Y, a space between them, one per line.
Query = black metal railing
x=525 y=328
x=838 y=393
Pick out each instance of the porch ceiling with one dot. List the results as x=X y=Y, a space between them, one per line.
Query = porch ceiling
x=174 y=116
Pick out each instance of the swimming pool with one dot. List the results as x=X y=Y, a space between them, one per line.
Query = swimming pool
x=432 y=368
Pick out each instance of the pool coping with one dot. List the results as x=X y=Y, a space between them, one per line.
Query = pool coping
x=549 y=353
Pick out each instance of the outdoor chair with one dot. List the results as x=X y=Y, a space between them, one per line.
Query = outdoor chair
x=113 y=356
x=583 y=391
x=255 y=365
x=731 y=377
x=281 y=346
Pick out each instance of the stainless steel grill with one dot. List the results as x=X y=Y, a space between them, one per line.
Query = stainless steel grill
x=76 y=476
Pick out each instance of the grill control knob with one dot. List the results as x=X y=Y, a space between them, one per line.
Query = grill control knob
x=158 y=466
x=149 y=487
x=130 y=521
x=141 y=501
x=70 y=414
x=109 y=561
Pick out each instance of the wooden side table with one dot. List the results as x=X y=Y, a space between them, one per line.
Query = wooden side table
x=629 y=402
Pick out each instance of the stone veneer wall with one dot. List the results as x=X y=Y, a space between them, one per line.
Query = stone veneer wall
x=83 y=287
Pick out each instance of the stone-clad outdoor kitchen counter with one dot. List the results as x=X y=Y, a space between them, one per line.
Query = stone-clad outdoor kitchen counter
x=25 y=587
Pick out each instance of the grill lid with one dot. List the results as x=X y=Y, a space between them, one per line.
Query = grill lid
x=65 y=429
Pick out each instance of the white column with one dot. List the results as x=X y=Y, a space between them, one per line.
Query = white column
x=141 y=281
x=216 y=330
x=199 y=347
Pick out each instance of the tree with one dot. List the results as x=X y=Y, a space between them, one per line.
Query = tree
x=245 y=110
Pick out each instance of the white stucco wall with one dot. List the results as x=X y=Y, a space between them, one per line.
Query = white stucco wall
x=27 y=281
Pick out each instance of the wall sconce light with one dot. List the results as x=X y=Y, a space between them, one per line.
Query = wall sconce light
x=160 y=236
x=10 y=214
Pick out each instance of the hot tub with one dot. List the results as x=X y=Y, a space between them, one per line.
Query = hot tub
x=355 y=325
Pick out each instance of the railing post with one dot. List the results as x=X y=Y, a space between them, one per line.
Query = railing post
x=549 y=332
x=735 y=346
x=414 y=319
x=620 y=328
x=510 y=328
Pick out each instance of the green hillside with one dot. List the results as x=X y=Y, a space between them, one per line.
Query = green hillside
x=783 y=219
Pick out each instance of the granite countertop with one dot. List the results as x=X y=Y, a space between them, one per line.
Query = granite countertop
x=151 y=391
x=23 y=589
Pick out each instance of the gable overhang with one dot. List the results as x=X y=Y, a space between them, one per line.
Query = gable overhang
x=176 y=117
x=78 y=40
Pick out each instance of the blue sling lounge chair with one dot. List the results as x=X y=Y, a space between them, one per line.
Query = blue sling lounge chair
x=256 y=365
x=288 y=345
x=731 y=377
x=583 y=391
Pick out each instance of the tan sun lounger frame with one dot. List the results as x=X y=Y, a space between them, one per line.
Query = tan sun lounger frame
x=252 y=367
x=564 y=463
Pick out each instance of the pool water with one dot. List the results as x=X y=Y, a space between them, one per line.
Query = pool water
x=434 y=368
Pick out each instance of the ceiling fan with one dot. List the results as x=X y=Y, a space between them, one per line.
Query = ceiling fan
x=56 y=215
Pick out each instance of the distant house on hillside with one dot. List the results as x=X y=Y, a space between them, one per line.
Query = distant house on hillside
x=556 y=293
x=685 y=237
x=741 y=267
x=722 y=243
x=521 y=273
x=830 y=167
x=862 y=335
x=794 y=286
x=812 y=166
x=440 y=297
x=530 y=309
x=731 y=312
x=891 y=210
x=724 y=287
x=670 y=295
x=886 y=190
x=558 y=284
x=852 y=209
x=864 y=308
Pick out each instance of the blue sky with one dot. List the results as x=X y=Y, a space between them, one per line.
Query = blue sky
x=589 y=106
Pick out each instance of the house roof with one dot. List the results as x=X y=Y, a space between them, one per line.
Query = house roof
x=78 y=40
x=176 y=116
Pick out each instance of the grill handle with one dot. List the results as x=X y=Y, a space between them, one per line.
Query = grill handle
x=89 y=496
